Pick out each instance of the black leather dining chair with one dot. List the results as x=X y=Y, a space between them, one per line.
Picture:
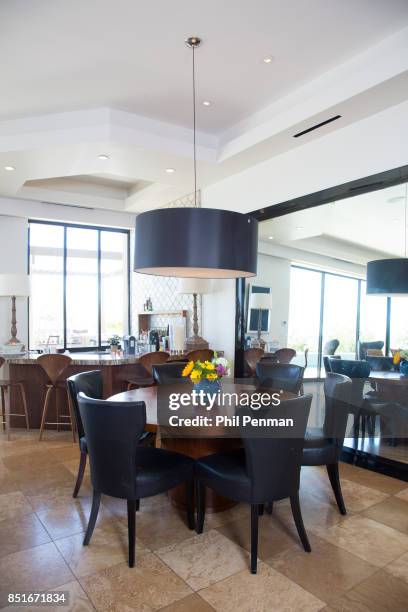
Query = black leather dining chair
x=267 y=469
x=121 y=467
x=323 y=445
x=331 y=346
x=91 y=384
x=169 y=373
x=282 y=376
x=363 y=347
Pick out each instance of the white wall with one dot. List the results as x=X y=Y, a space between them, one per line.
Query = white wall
x=218 y=317
x=13 y=259
x=274 y=272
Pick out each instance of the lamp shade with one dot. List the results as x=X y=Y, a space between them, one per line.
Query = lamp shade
x=261 y=301
x=194 y=285
x=196 y=242
x=17 y=285
x=387 y=277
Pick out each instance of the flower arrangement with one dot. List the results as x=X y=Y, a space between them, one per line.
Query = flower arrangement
x=211 y=371
x=114 y=343
x=400 y=355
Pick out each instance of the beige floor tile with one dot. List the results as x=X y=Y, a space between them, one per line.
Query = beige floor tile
x=204 y=559
x=266 y=592
x=13 y=504
x=393 y=512
x=72 y=466
x=66 y=453
x=379 y=593
x=273 y=536
x=38 y=568
x=399 y=568
x=370 y=479
x=63 y=521
x=160 y=527
x=76 y=596
x=31 y=480
x=33 y=457
x=339 y=569
x=214 y=520
x=372 y=541
x=49 y=496
x=21 y=533
x=150 y=585
x=108 y=547
x=403 y=494
x=7 y=482
x=192 y=603
x=118 y=507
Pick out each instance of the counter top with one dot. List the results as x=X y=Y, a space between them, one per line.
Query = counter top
x=80 y=359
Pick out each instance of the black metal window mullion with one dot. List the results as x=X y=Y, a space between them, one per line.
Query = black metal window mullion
x=358 y=316
x=64 y=290
x=321 y=321
x=99 y=292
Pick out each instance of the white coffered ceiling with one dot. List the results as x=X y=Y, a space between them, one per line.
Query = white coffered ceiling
x=90 y=77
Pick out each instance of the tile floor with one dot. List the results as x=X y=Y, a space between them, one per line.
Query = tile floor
x=359 y=562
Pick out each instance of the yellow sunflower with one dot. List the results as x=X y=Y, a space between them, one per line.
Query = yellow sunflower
x=187 y=370
x=212 y=376
x=195 y=375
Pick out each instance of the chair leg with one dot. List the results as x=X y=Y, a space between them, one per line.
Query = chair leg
x=81 y=472
x=254 y=537
x=131 y=512
x=333 y=472
x=200 y=501
x=71 y=417
x=363 y=430
x=7 y=410
x=190 y=503
x=24 y=400
x=269 y=507
x=96 y=500
x=3 y=409
x=45 y=410
x=137 y=505
x=297 y=516
x=261 y=508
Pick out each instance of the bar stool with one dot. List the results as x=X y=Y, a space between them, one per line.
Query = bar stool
x=146 y=363
x=55 y=366
x=5 y=388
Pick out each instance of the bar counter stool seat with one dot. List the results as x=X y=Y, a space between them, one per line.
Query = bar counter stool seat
x=146 y=363
x=55 y=366
x=5 y=387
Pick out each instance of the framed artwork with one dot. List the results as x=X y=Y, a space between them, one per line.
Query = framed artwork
x=253 y=313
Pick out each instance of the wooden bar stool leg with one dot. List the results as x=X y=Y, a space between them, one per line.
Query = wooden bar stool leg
x=71 y=418
x=3 y=408
x=7 y=410
x=57 y=408
x=45 y=410
x=24 y=400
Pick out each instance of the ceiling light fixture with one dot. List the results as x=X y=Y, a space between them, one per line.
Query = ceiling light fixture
x=300 y=228
x=268 y=59
x=103 y=156
x=196 y=242
x=207 y=103
x=389 y=277
x=270 y=237
x=9 y=168
x=170 y=170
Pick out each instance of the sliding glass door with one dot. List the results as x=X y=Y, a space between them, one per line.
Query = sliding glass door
x=340 y=313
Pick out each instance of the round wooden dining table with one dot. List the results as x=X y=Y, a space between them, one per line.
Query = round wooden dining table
x=195 y=442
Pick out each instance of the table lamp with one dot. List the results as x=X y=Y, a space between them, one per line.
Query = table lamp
x=14 y=286
x=260 y=302
x=194 y=287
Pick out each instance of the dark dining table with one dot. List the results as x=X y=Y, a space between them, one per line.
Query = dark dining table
x=197 y=442
x=391 y=386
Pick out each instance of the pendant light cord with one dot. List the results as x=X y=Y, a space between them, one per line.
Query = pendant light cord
x=194 y=132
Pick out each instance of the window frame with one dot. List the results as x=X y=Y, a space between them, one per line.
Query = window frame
x=99 y=229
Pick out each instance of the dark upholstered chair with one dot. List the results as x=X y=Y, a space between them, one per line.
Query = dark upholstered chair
x=89 y=383
x=200 y=355
x=121 y=467
x=169 y=373
x=251 y=358
x=281 y=376
x=331 y=347
x=323 y=444
x=284 y=355
x=363 y=347
x=267 y=469
x=144 y=369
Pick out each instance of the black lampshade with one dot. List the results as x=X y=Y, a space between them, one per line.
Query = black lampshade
x=196 y=242
x=388 y=277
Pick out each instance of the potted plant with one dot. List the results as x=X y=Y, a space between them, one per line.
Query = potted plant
x=114 y=343
x=401 y=358
x=206 y=375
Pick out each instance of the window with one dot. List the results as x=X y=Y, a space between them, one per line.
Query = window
x=399 y=327
x=373 y=316
x=79 y=277
x=340 y=313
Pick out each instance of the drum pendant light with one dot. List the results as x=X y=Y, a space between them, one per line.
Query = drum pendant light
x=196 y=242
x=389 y=277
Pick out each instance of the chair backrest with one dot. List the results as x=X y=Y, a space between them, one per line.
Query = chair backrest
x=252 y=356
x=112 y=431
x=284 y=355
x=285 y=376
x=337 y=393
x=154 y=358
x=89 y=383
x=200 y=355
x=326 y=363
x=169 y=373
x=274 y=454
x=364 y=346
x=54 y=366
x=331 y=347
x=2 y=361
x=358 y=371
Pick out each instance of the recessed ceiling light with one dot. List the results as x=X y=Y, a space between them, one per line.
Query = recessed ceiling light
x=9 y=168
x=170 y=170
x=270 y=237
x=395 y=199
x=300 y=227
x=103 y=156
x=207 y=103
x=268 y=59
